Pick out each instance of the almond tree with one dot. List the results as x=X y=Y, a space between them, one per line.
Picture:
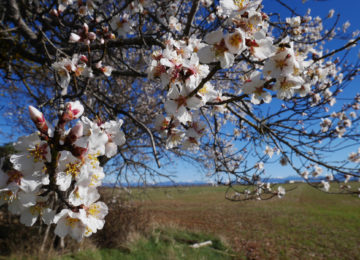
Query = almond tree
x=219 y=83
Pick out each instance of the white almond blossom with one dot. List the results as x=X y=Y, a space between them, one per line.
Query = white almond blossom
x=317 y=171
x=281 y=192
x=305 y=174
x=269 y=151
x=121 y=24
x=176 y=105
x=235 y=42
x=255 y=87
x=29 y=215
x=347 y=178
x=259 y=165
x=330 y=177
x=354 y=156
x=93 y=214
x=66 y=66
x=286 y=86
x=16 y=199
x=261 y=47
x=283 y=63
x=174 y=24
x=69 y=223
x=162 y=123
x=70 y=168
x=175 y=137
x=83 y=195
x=94 y=138
x=238 y=7
x=29 y=162
x=325 y=124
x=217 y=50
x=326 y=185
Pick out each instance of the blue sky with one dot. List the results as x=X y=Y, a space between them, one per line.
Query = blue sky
x=348 y=10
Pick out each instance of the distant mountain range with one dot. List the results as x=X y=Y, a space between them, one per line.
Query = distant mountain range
x=161 y=184
x=279 y=180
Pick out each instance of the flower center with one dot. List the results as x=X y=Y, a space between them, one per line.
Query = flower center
x=36 y=210
x=94 y=179
x=181 y=101
x=258 y=91
x=73 y=169
x=94 y=210
x=121 y=23
x=193 y=140
x=286 y=85
x=220 y=48
x=174 y=138
x=235 y=40
x=94 y=162
x=71 y=221
x=14 y=176
x=88 y=231
x=239 y=3
x=281 y=64
x=7 y=196
x=38 y=153
x=203 y=90
x=164 y=124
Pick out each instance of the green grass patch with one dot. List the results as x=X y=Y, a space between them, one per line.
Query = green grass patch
x=164 y=243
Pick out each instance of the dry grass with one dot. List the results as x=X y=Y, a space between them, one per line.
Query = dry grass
x=123 y=222
x=305 y=224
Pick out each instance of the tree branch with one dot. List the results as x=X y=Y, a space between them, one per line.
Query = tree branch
x=191 y=17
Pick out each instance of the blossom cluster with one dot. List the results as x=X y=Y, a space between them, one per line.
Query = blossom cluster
x=180 y=71
x=61 y=165
x=281 y=68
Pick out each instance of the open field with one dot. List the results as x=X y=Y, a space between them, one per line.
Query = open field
x=161 y=223
x=305 y=224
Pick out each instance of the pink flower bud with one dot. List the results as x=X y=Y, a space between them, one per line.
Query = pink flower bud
x=98 y=65
x=107 y=70
x=61 y=8
x=35 y=114
x=86 y=28
x=75 y=133
x=84 y=59
x=54 y=12
x=78 y=152
x=92 y=36
x=77 y=130
x=38 y=118
x=73 y=110
x=74 y=37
